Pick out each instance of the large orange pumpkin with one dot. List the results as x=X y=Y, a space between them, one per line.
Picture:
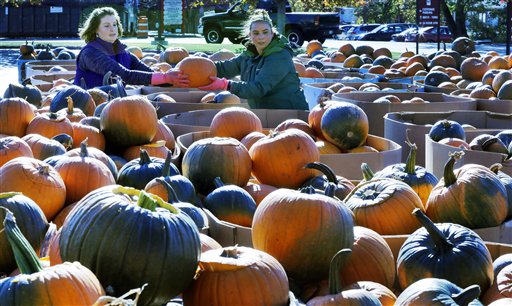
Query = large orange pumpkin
x=199 y=70
x=15 y=115
x=49 y=125
x=94 y=136
x=234 y=122
x=43 y=147
x=12 y=147
x=173 y=55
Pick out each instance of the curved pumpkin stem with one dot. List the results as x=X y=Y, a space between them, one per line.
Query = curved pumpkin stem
x=437 y=236
x=26 y=257
x=218 y=182
x=467 y=295
x=449 y=176
x=337 y=263
x=495 y=168
x=325 y=169
x=145 y=200
x=144 y=157
x=410 y=164
x=367 y=172
x=166 y=171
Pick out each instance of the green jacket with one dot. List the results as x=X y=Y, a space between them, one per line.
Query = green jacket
x=268 y=80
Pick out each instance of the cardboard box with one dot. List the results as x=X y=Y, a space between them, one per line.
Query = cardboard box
x=347 y=165
x=44 y=81
x=228 y=234
x=342 y=76
x=497 y=106
x=376 y=111
x=316 y=92
x=419 y=124
x=40 y=67
x=200 y=120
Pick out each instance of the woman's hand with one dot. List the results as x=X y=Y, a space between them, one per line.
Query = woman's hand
x=174 y=77
x=216 y=84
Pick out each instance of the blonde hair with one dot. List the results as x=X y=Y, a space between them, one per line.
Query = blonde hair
x=259 y=15
x=91 y=25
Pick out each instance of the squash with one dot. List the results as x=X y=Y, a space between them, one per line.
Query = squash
x=15 y=115
x=506 y=180
x=43 y=147
x=50 y=125
x=182 y=186
x=345 y=124
x=72 y=113
x=156 y=149
x=238 y=276
x=446 y=129
x=315 y=116
x=30 y=93
x=296 y=124
x=258 y=191
x=234 y=122
x=80 y=99
x=93 y=135
x=501 y=287
x=342 y=185
x=304 y=244
x=160 y=237
x=12 y=147
x=444 y=250
x=37 y=286
x=198 y=69
x=384 y=294
x=472 y=196
x=89 y=151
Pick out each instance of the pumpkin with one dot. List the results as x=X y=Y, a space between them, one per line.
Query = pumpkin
x=91 y=121
x=63 y=213
x=372 y=200
x=164 y=133
x=92 y=134
x=208 y=158
x=208 y=243
x=54 y=250
x=472 y=196
x=129 y=121
x=12 y=147
x=336 y=294
x=36 y=286
x=182 y=186
x=296 y=124
x=385 y=296
x=231 y=203
x=138 y=172
x=446 y=129
x=315 y=116
x=258 y=191
x=30 y=93
x=444 y=250
x=98 y=96
x=198 y=69
x=234 y=122
x=31 y=221
x=156 y=149
x=304 y=244
x=72 y=113
x=342 y=185
x=162 y=248
x=345 y=124
x=95 y=172
x=37 y=180
x=80 y=99
x=437 y=291
x=249 y=139
x=15 y=115
x=43 y=147
x=87 y=151
x=489 y=143
x=65 y=140
x=50 y=125
x=420 y=180
x=279 y=158
x=505 y=136
x=173 y=55
x=501 y=287
x=506 y=180
x=238 y=276
x=455 y=142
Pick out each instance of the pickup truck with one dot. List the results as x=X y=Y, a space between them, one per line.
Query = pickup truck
x=300 y=27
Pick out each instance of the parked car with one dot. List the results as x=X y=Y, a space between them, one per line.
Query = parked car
x=344 y=29
x=384 y=31
x=358 y=29
x=401 y=36
x=429 y=34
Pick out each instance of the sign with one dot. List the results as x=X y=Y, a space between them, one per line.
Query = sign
x=428 y=12
x=173 y=12
x=56 y=9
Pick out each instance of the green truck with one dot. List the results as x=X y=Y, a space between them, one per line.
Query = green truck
x=300 y=26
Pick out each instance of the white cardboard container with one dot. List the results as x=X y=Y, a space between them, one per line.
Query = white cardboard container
x=41 y=67
x=347 y=165
x=376 y=111
x=342 y=76
x=419 y=124
x=200 y=120
x=497 y=106
x=44 y=81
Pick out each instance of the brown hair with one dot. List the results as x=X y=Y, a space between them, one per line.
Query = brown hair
x=259 y=15
x=91 y=25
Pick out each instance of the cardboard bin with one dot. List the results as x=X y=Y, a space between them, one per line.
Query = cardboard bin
x=42 y=66
x=376 y=111
x=200 y=120
x=342 y=76
x=496 y=105
x=45 y=80
x=347 y=165
x=419 y=124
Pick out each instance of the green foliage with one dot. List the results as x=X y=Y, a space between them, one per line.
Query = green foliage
x=17 y=3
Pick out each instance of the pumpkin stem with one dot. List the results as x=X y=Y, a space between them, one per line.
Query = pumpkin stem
x=44 y=170
x=496 y=167
x=218 y=182
x=144 y=157
x=84 y=152
x=308 y=189
x=436 y=235
x=367 y=172
x=166 y=171
x=70 y=105
x=337 y=263
x=145 y=198
x=467 y=295
x=325 y=169
x=53 y=115
x=330 y=190
x=449 y=176
x=230 y=252
x=146 y=201
x=172 y=197
x=9 y=194
x=26 y=257
x=410 y=164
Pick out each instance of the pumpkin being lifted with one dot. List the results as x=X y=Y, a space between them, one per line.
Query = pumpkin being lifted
x=199 y=70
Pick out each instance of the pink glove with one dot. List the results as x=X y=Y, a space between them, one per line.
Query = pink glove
x=173 y=77
x=217 y=84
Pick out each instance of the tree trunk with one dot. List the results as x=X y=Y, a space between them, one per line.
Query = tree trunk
x=281 y=16
x=458 y=25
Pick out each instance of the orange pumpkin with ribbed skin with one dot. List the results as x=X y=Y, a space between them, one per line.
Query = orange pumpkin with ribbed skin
x=157 y=149
x=15 y=115
x=173 y=55
x=295 y=124
x=163 y=132
x=208 y=243
x=395 y=200
x=473 y=69
x=199 y=70
x=251 y=138
x=238 y=276
x=93 y=135
x=279 y=158
x=326 y=147
x=49 y=125
x=63 y=213
x=88 y=151
x=54 y=249
x=313 y=46
x=43 y=147
x=129 y=121
x=234 y=122
x=74 y=114
x=258 y=191
x=501 y=287
x=315 y=116
x=37 y=180
x=12 y=147
x=384 y=294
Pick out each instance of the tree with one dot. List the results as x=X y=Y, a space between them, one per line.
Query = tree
x=19 y=2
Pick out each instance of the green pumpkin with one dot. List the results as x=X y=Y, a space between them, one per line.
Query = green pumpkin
x=472 y=196
x=81 y=99
x=31 y=221
x=506 y=180
x=436 y=291
x=342 y=185
x=446 y=129
x=128 y=238
x=444 y=250
x=345 y=125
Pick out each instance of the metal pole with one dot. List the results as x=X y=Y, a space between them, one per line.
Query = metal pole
x=418 y=23
x=509 y=24
x=439 y=25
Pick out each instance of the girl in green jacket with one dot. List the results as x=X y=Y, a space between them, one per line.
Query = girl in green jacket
x=266 y=69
